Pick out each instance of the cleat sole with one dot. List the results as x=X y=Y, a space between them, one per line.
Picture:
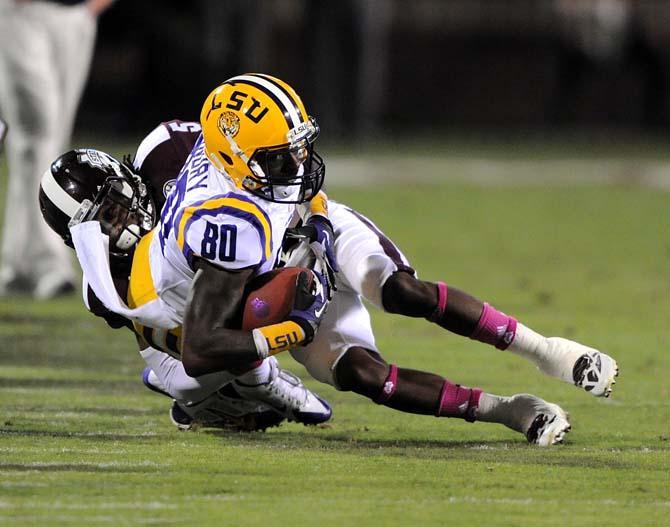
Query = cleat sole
x=597 y=375
x=555 y=429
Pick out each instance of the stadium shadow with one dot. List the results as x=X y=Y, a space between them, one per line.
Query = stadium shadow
x=299 y=440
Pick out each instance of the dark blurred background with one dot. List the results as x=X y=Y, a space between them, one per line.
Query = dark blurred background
x=375 y=68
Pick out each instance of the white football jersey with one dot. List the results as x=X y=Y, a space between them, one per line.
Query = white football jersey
x=207 y=216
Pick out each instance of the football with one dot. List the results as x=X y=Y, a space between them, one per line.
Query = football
x=269 y=297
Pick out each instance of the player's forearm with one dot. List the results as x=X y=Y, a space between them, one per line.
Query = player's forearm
x=224 y=349
x=209 y=341
x=218 y=350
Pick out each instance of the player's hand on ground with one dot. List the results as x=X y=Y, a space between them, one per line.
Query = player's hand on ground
x=318 y=232
x=309 y=305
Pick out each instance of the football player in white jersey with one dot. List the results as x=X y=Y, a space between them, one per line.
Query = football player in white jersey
x=223 y=224
x=344 y=353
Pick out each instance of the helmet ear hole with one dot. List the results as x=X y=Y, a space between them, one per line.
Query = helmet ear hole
x=226 y=158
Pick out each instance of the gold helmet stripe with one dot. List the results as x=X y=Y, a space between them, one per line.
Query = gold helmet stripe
x=286 y=105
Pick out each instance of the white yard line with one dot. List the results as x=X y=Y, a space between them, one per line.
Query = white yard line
x=83 y=464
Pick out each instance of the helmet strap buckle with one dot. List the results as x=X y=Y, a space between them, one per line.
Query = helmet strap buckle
x=81 y=214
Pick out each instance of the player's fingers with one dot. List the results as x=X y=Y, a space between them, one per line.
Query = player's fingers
x=304 y=291
x=330 y=278
x=330 y=254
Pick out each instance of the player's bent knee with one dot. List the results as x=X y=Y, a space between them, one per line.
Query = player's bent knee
x=404 y=294
x=361 y=372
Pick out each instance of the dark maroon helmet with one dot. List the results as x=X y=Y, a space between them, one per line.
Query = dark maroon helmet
x=86 y=184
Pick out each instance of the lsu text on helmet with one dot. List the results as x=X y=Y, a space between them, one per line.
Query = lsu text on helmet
x=257 y=131
x=86 y=184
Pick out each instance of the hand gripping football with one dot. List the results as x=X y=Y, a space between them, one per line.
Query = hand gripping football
x=270 y=297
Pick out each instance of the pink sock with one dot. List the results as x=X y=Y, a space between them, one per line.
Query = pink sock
x=495 y=328
x=458 y=401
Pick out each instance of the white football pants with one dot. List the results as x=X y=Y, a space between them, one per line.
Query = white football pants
x=367 y=258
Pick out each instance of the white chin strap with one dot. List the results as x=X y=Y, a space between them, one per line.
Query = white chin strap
x=128 y=238
x=289 y=192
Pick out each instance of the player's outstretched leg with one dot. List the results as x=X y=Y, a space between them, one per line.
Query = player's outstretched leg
x=460 y=313
x=366 y=373
x=286 y=393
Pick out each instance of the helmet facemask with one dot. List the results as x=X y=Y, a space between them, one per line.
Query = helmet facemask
x=124 y=210
x=290 y=173
x=286 y=174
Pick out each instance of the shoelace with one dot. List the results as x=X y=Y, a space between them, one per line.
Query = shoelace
x=287 y=397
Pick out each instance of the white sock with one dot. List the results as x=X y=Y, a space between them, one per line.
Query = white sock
x=156 y=382
x=516 y=412
x=259 y=375
x=554 y=356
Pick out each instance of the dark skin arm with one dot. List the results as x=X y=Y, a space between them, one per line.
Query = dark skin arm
x=208 y=344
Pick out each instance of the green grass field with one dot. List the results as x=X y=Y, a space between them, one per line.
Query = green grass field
x=82 y=442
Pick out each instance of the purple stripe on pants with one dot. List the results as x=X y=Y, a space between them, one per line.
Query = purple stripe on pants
x=387 y=245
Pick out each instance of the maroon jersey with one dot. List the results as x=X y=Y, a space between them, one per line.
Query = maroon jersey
x=161 y=155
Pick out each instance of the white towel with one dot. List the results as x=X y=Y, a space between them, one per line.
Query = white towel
x=92 y=248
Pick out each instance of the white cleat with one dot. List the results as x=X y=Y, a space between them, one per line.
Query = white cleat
x=543 y=423
x=549 y=426
x=587 y=368
x=286 y=394
x=226 y=409
x=596 y=373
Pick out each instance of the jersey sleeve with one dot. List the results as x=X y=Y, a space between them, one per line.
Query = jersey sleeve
x=161 y=155
x=227 y=232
